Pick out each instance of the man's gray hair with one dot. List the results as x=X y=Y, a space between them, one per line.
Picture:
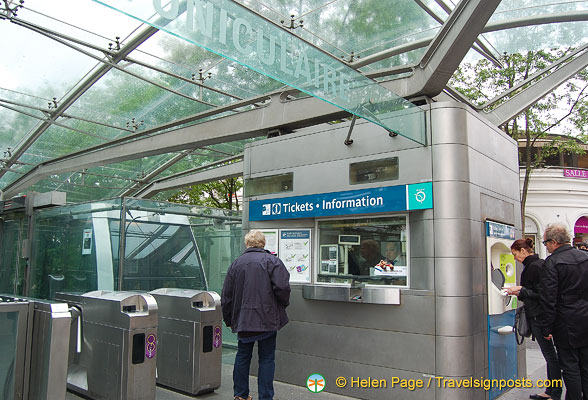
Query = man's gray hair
x=255 y=238
x=558 y=232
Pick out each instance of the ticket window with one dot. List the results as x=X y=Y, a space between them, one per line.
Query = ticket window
x=369 y=250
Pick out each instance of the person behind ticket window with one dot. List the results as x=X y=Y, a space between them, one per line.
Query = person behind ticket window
x=393 y=252
x=370 y=253
x=529 y=293
x=582 y=246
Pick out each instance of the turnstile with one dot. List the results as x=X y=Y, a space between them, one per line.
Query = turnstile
x=190 y=338
x=13 y=339
x=34 y=341
x=113 y=345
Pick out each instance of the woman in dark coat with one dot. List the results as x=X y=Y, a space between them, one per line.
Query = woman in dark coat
x=528 y=293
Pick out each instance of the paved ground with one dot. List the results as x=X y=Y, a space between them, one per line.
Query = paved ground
x=283 y=391
x=535 y=368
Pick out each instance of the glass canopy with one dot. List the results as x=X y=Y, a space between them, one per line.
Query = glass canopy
x=79 y=79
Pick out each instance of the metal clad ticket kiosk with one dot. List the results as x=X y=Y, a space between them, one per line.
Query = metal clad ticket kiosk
x=385 y=243
x=113 y=345
x=190 y=338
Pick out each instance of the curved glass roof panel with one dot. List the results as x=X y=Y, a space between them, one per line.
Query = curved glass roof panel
x=344 y=26
x=57 y=141
x=163 y=94
x=83 y=20
x=40 y=71
x=17 y=119
x=524 y=8
x=565 y=34
x=366 y=27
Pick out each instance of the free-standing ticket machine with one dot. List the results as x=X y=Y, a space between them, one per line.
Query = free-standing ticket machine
x=501 y=267
x=387 y=247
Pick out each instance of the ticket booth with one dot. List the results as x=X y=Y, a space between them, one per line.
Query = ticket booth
x=385 y=242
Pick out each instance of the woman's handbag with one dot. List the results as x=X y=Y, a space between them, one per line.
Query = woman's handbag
x=522 y=327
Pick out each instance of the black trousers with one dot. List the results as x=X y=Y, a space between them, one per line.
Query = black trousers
x=553 y=365
x=574 y=363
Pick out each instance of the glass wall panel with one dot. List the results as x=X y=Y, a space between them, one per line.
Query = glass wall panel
x=75 y=249
x=160 y=251
x=8 y=347
x=370 y=250
x=220 y=242
x=13 y=233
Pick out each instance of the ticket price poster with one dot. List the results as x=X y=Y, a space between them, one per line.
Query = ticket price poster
x=295 y=253
x=271 y=240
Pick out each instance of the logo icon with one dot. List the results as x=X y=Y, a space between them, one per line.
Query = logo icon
x=315 y=383
x=420 y=195
x=267 y=209
x=276 y=208
x=150 y=346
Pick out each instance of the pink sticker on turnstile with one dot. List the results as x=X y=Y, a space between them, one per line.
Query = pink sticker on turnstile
x=217 y=341
x=150 y=346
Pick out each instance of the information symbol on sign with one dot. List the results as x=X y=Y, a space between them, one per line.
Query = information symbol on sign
x=276 y=208
x=420 y=196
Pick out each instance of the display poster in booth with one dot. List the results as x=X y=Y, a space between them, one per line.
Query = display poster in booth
x=294 y=252
x=271 y=240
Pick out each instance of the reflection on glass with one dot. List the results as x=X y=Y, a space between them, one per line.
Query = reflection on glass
x=371 y=250
x=12 y=264
x=373 y=171
x=161 y=253
x=234 y=32
x=76 y=248
x=269 y=184
x=8 y=347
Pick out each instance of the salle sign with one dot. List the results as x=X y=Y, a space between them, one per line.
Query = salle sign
x=229 y=29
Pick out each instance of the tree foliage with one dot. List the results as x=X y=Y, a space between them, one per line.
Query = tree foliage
x=557 y=121
x=217 y=194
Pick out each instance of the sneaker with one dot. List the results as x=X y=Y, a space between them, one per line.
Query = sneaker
x=241 y=398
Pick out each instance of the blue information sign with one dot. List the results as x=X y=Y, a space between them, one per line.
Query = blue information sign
x=363 y=201
x=498 y=230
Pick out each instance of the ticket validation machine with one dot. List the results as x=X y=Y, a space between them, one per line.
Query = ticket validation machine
x=501 y=272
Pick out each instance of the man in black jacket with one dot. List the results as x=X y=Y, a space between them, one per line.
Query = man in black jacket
x=564 y=297
x=255 y=295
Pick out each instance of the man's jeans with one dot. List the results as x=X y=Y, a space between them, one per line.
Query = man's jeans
x=553 y=367
x=574 y=363
x=266 y=349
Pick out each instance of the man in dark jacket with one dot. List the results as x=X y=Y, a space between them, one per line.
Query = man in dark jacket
x=564 y=297
x=255 y=295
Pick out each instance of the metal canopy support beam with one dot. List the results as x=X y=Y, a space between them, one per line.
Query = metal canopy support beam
x=479 y=46
x=450 y=46
x=225 y=172
x=149 y=180
x=534 y=77
x=523 y=100
x=248 y=124
x=157 y=171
